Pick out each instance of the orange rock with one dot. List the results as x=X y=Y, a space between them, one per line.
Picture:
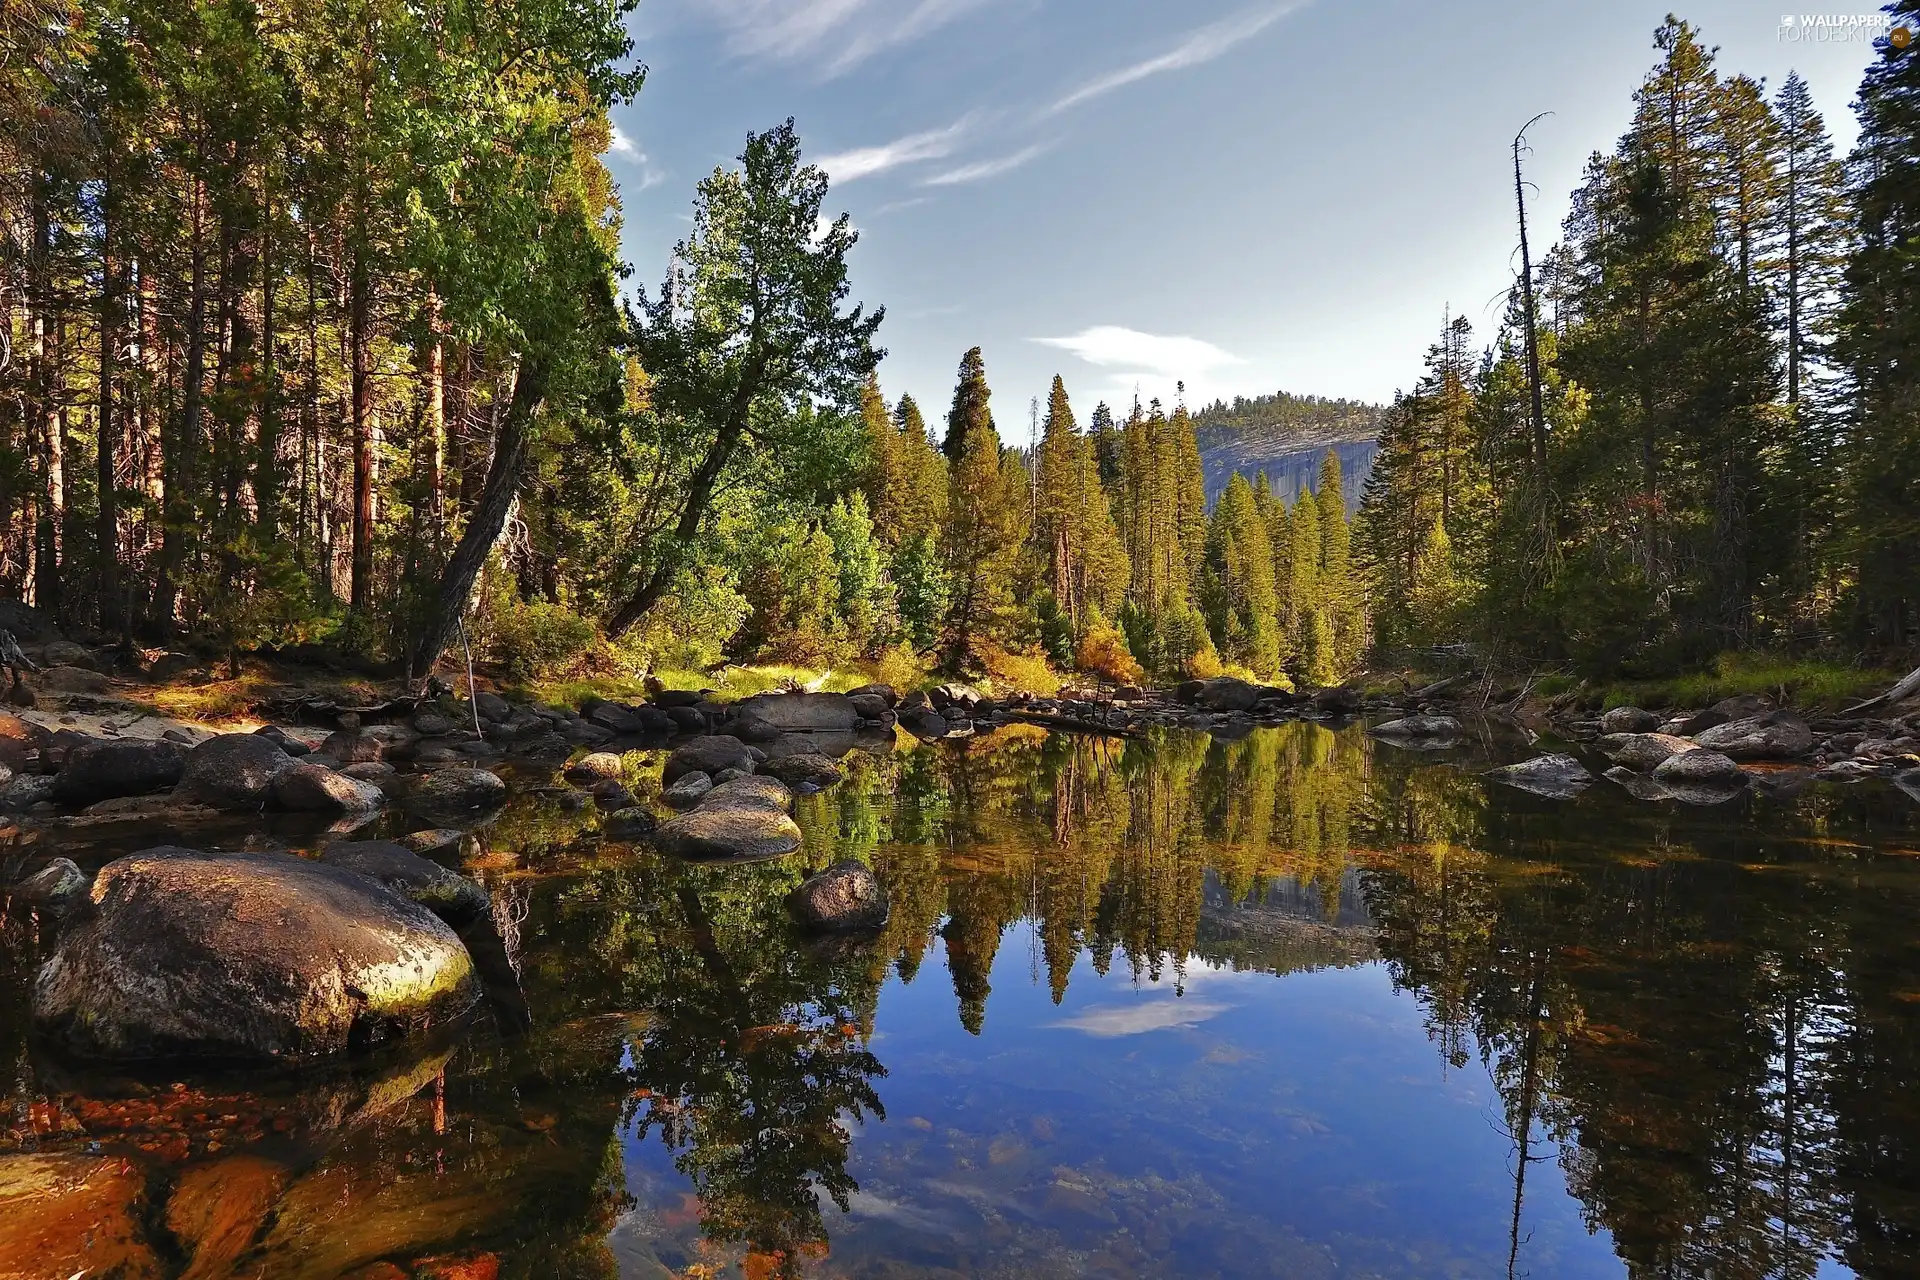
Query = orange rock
x=62 y=1215
x=484 y=1266
x=218 y=1209
x=378 y=1271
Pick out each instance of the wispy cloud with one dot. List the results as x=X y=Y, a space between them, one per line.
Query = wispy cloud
x=1116 y=347
x=982 y=169
x=623 y=146
x=1112 y=1021
x=933 y=144
x=1202 y=45
x=833 y=35
x=897 y=206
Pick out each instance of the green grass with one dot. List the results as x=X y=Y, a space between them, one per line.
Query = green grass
x=733 y=682
x=1805 y=682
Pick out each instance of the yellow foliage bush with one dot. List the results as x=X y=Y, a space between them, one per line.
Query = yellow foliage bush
x=1103 y=652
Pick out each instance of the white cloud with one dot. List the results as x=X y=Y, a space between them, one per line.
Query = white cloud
x=984 y=168
x=1115 y=347
x=934 y=144
x=834 y=35
x=1203 y=45
x=1114 y=1020
x=623 y=146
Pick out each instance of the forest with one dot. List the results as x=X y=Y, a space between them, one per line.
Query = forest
x=314 y=332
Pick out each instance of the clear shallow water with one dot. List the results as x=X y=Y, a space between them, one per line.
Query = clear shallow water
x=1289 y=1006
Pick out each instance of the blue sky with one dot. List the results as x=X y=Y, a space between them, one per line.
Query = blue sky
x=1245 y=194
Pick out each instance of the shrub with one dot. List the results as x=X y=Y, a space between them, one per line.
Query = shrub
x=1103 y=652
x=532 y=640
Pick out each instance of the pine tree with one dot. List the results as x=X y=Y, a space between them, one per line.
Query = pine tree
x=1105 y=435
x=1237 y=594
x=1342 y=601
x=969 y=412
x=1811 y=233
x=986 y=518
x=1304 y=604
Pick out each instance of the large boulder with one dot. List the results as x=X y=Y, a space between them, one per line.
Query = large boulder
x=447 y=894
x=1642 y=752
x=351 y=746
x=1629 y=720
x=1557 y=777
x=804 y=769
x=19 y=738
x=457 y=792
x=790 y=711
x=246 y=957
x=845 y=898
x=888 y=695
x=728 y=832
x=1777 y=735
x=104 y=768
x=620 y=719
x=869 y=706
x=1227 y=693
x=233 y=772
x=708 y=755
x=311 y=788
x=924 y=723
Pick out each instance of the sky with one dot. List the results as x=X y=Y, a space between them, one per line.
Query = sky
x=1244 y=195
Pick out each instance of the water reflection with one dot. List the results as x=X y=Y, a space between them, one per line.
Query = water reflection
x=1692 y=1033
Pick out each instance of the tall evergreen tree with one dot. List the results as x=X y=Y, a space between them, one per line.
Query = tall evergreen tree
x=986 y=518
x=969 y=411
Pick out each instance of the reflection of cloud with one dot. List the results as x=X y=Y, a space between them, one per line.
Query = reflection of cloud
x=1204 y=45
x=1109 y=1021
x=1113 y=346
x=834 y=35
x=984 y=168
x=845 y=166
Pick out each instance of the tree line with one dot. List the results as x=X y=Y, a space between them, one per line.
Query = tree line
x=1696 y=428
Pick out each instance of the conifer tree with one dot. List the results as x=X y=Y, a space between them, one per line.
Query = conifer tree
x=1303 y=617
x=969 y=409
x=1237 y=594
x=986 y=518
x=1341 y=599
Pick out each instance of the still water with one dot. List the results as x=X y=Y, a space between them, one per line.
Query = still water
x=1297 y=1005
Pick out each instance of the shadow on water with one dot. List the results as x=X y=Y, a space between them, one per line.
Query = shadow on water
x=1695 y=1035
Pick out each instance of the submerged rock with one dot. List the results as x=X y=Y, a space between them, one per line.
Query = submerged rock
x=1555 y=776
x=103 y=769
x=1638 y=785
x=728 y=832
x=246 y=956
x=846 y=897
x=1420 y=731
x=804 y=769
x=753 y=792
x=629 y=824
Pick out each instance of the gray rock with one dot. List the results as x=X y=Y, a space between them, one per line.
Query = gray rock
x=708 y=755
x=615 y=718
x=807 y=769
x=54 y=889
x=308 y=788
x=670 y=698
x=869 y=706
x=434 y=840
x=922 y=723
x=1629 y=720
x=1908 y=783
x=688 y=790
x=1844 y=771
x=611 y=793
x=1643 y=752
x=492 y=706
x=100 y=770
x=600 y=764
x=25 y=790
x=728 y=775
x=751 y=728
x=1637 y=785
x=689 y=719
x=65 y=653
x=233 y=772
x=1701 y=768
x=1227 y=693
x=351 y=746
x=375 y=771
x=754 y=792
x=629 y=824
x=845 y=898
x=282 y=739
x=431 y=724
x=248 y=957
x=1555 y=776
x=888 y=696
x=74 y=680
x=807 y=711
x=457 y=791
x=729 y=832
x=447 y=894
x=1425 y=732
x=1777 y=735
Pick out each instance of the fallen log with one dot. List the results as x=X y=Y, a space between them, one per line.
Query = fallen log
x=1905 y=688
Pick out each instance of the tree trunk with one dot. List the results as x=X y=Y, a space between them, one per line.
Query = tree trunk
x=488 y=518
x=177 y=455
x=106 y=529
x=266 y=463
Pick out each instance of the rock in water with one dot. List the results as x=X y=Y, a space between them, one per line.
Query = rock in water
x=1643 y=752
x=457 y=791
x=844 y=898
x=923 y=723
x=247 y=956
x=869 y=706
x=728 y=832
x=233 y=772
x=65 y=1214
x=688 y=790
x=54 y=889
x=629 y=824
x=595 y=766
x=101 y=770
x=751 y=792
x=1420 y=731
x=1557 y=777
x=1629 y=720
x=1637 y=785
x=1227 y=693
x=1779 y=735
x=804 y=769
x=790 y=711
x=708 y=755
x=1701 y=768
x=447 y=894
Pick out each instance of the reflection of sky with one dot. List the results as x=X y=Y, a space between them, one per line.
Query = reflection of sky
x=1300 y=1126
